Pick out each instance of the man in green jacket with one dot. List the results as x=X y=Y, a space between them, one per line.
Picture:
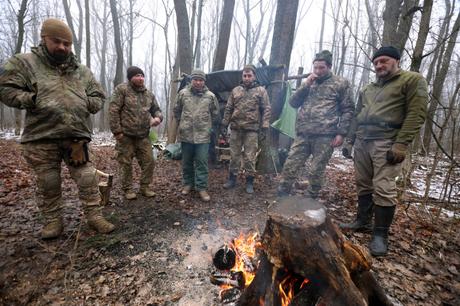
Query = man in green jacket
x=133 y=110
x=196 y=110
x=58 y=94
x=248 y=113
x=389 y=113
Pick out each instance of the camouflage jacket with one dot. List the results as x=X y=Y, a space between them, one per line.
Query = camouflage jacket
x=58 y=99
x=326 y=107
x=247 y=108
x=391 y=109
x=130 y=110
x=196 y=113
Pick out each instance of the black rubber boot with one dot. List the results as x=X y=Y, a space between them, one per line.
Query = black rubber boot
x=249 y=184
x=231 y=183
x=363 y=222
x=383 y=219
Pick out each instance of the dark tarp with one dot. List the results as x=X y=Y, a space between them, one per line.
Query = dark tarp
x=225 y=80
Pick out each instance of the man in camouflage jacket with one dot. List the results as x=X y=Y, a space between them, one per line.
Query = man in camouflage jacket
x=389 y=114
x=196 y=109
x=133 y=110
x=248 y=112
x=58 y=94
x=326 y=109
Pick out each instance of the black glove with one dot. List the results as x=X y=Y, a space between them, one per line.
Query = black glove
x=347 y=149
x=223 y=130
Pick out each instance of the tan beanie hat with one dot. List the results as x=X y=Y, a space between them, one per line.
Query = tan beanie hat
x=56 y=28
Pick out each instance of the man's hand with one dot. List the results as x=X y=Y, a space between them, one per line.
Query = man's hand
x=337 y=141
x=155 y=121
x=118 y=136
x=223 y=130
x=397 y=153
x=310 y=79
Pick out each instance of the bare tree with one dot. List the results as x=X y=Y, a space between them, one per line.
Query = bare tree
x=118 y=47
x=224 y=35
x=422 y=35
x=77 y=37
x=183 y=37
x=197 y=52
x=323 y=20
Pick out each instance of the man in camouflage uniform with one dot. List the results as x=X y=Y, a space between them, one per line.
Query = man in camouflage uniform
x=389 y=114
x=248 y=112
x=133 y=110
x=326 y=109
x=58 y=95
x=196 y=109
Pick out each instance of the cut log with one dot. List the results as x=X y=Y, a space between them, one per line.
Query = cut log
x=300 y=239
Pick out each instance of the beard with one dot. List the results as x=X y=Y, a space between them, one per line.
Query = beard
x=59 y=57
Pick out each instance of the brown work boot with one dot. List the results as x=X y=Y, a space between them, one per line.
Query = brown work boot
x=53 y=229
x=130 y=195
x=147 y=192
x=204 y=195
x=186 y=190
x=100 y=224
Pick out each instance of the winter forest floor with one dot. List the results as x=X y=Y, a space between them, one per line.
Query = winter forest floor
x=161 y=251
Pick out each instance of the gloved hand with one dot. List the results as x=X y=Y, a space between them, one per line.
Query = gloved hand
x=397 y=153
x=347 y=148
x=78 y=152
x=223 y=130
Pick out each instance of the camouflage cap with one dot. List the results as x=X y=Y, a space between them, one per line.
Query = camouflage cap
x=56 y=28
x=249 y=67
x=324 y=55
x=198 y=74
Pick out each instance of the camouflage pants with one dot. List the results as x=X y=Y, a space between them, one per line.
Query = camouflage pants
x=45 y=158
x=243 y=143
x=305 y=145
x=374 y=175
x=141 y=148
x=195 y=165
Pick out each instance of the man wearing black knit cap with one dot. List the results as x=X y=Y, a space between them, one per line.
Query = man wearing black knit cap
x=389 y=113
x=133 y=110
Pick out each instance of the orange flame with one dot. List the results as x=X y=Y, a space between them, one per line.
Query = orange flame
x=286 y=288
x=245 y=248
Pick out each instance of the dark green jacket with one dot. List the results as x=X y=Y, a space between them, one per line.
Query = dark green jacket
x=58 y=99
x=392 y=109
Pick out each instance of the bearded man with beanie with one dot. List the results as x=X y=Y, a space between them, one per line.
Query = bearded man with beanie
x=389 y=113
x=196 y=109
x=58 y=94
x=133 y=110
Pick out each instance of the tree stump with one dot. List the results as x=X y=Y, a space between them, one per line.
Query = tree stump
x=300 y=239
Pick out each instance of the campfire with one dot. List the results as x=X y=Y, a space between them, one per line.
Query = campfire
x=300 y=259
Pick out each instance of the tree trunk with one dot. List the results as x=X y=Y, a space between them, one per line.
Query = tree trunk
x=88 y=34
x=118 y=48
x=130 y=33
x=323 y=21
x=422 y=35
x=183 y=37
x=438 y=83
x=339 y=275
x=76 y=39
x=197 y=53
x=224 y=35
x=172 y=123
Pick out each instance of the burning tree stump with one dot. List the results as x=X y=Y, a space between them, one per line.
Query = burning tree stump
x=301 y=243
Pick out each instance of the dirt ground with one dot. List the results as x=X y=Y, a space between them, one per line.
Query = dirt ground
x=161 y=252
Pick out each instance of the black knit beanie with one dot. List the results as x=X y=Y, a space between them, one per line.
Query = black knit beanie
x=132 y=71
x=388 y=51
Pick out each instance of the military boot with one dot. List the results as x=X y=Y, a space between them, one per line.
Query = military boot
x=130 y=195
x=97 y=222
x=204 y=195
x=147 y=192
x=250 y=184
x=231 y=183
x=186 y=190
x=363 y=222
x=383 y=218
x=52 y=229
